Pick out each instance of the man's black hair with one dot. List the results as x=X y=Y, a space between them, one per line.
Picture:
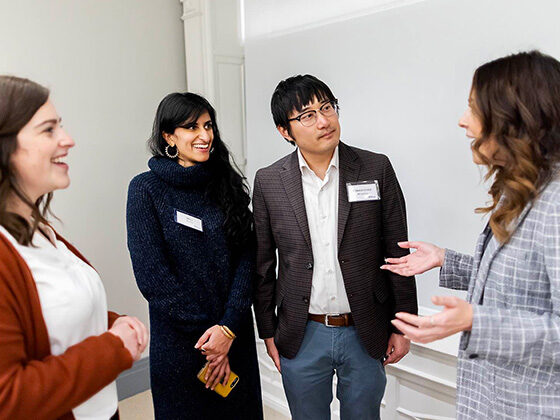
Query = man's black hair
x=294 y=93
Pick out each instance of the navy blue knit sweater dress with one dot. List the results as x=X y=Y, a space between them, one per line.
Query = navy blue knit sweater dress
x=191 y=281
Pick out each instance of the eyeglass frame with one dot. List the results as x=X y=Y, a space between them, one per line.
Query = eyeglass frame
x=333 y=102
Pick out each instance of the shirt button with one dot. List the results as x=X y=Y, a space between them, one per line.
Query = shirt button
x=309 y=265
x=333 y=297
x=305 y=299
x=329 y=271
x=327 y=243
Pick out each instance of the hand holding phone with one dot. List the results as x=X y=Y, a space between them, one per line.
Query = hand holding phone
x=220 y=388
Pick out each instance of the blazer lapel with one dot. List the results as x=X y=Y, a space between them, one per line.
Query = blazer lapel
x=479 y=251
x=349 y=172
x=482 y=273
x=291 y=178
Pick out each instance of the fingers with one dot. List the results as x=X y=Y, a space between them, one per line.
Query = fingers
x=400 y=269
x=226 y=375
x=390 y=355
x=128 y=336
x=414 y=333
x=216 y=360
x=141 y=331
x=211 y=374
x=398 y=356
x=394 y=358
x=203 y=339
x=215 y=377
x=449 y=301
x=410 y=244
x=276 y=359
x=399 y=260
x=414 y=320
x=277 y=363
x=390 y=348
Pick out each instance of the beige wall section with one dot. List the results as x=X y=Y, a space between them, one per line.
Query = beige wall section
x=108 y=64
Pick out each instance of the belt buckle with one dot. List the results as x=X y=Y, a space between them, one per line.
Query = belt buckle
x=327 y=320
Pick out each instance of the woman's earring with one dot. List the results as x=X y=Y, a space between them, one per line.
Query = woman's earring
x=169 y=155
x=212 y=149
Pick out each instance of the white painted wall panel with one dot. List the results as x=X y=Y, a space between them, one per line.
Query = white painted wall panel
x=402 y=72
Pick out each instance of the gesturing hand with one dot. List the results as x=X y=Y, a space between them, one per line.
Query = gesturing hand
x=456 y=316
x=426 y=257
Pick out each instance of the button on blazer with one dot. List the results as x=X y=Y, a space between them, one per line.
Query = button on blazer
x=368 y=231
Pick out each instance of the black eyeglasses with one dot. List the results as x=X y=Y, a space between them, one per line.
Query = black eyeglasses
x=309 y=118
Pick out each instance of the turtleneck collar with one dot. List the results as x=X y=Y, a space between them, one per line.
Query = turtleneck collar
x=171 y=172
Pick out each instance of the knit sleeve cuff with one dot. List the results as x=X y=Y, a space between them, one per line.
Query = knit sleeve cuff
x=232 y=319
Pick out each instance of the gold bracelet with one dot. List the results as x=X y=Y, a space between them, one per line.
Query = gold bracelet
x=227 y=332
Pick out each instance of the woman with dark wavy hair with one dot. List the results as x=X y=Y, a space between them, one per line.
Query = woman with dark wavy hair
x=191 y=244
x=509 y=356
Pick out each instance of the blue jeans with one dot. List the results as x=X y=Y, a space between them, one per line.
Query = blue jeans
x=307 y=378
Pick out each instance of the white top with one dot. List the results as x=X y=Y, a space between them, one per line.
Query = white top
x=74 y=307
x=328 y=294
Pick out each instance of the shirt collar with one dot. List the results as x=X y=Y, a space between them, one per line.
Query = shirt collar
x=303 y=163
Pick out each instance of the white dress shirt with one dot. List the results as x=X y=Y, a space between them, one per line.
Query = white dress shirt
x=328 y=294
x=74 y=306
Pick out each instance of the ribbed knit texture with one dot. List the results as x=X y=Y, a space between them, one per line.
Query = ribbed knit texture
x=191 y=282
x=185 y=274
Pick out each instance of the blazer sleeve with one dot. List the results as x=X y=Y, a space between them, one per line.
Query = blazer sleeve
x=48 y=388
x=152 y=269
x=240 y=295
x=395 y=230
x=265 y=273
x=521 y=336
x=456 y=270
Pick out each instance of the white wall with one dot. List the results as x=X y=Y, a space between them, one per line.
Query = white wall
x=108 y=64
x=402 y=77
x=402 y=71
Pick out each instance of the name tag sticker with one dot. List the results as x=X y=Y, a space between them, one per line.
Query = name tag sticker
x=363 y=191
x=188 y=220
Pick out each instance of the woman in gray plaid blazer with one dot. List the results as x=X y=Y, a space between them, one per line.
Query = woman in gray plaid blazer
x=509 y=356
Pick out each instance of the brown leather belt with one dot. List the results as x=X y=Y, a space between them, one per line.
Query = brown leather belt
x=333 y=320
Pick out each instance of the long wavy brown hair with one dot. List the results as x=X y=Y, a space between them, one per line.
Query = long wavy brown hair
x=19 y=101
x=517 y=99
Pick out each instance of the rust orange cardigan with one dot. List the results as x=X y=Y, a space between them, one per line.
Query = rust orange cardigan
x=33 y=383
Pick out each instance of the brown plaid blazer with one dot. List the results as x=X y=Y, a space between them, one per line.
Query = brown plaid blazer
x=368 y=231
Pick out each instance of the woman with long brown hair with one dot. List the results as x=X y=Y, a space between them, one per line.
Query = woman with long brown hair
x=60 y=350
x=509 y=355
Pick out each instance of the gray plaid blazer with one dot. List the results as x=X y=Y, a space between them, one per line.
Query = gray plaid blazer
x=368 y=231
x=509 y=364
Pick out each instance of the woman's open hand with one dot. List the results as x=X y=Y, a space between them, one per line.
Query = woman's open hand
x=426 y=257
x=456 y=316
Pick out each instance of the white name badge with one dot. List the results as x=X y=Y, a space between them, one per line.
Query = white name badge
x=363 y=191
x=188 y=220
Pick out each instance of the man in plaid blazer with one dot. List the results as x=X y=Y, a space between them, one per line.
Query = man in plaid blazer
x=325 y=217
